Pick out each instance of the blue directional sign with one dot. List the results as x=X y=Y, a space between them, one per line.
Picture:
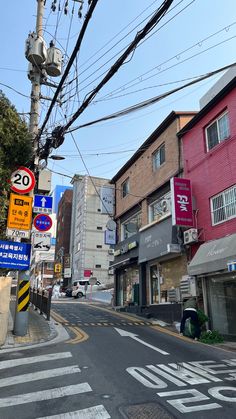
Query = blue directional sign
x=14 y=255
x=42 y=204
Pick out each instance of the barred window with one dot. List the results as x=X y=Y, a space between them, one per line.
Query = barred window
x=223 y=206
x=217 y=131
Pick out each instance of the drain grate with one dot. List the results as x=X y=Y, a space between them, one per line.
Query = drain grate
x=145 y=411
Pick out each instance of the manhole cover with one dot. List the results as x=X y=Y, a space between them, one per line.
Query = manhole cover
x=145 y=411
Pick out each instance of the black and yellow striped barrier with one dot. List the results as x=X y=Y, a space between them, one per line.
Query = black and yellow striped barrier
x=23 y=296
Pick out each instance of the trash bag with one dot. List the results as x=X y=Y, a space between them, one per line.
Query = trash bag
x=189 y=329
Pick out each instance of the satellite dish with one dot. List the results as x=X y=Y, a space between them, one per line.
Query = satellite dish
x=111 y=225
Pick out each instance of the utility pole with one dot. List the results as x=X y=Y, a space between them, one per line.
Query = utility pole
x=23 y=288
x=35 y=90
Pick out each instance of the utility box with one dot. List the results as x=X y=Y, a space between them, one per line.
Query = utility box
x=53 y=62
x=44 y=181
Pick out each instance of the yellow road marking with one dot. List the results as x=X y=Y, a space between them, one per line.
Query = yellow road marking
x=80 y=335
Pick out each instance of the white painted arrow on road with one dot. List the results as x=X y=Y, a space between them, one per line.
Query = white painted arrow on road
x=134 y=336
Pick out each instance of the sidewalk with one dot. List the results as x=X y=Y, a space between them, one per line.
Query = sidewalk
x=39 y=330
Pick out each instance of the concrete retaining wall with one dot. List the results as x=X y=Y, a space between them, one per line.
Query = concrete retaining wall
x=5 y=290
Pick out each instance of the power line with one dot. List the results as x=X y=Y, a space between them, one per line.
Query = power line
x=152 y=100
x=158 y=15
x=71 y=60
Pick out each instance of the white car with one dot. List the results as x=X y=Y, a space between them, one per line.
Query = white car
x=80 y=288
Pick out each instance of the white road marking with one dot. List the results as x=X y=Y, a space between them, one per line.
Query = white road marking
x=98 y=412
x=186 y=375
x=53 y=393
x=215 y=392
x=39 y=375
x=151 y=380
x=33 y=359
x=134 y=336
x=179 y=404
x=167 y=376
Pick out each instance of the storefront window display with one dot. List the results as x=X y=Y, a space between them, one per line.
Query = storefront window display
x=222 y=303
x=128 y=286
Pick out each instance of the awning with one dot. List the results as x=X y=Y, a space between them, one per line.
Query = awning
x=213 y=256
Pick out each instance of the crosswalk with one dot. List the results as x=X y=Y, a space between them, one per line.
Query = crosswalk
x=39 y=377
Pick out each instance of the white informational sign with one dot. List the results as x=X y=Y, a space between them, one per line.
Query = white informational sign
x=41 y=241
x=21 y=234
x=22 y=180
x=107 y=200
x=110 y=237
x=67 y=272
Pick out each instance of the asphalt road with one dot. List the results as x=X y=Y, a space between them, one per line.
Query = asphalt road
x=117 y=367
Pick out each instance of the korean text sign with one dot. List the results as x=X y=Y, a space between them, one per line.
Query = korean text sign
x=181 y=199
x=14 y=255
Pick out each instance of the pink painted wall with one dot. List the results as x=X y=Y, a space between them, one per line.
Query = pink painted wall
x=211 y=172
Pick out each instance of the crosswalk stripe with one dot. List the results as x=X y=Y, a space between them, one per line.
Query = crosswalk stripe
x=98 y=412
x=33 y=359
x=39 y=375
x=53 y=393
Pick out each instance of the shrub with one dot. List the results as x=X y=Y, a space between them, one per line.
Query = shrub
x=211 y=337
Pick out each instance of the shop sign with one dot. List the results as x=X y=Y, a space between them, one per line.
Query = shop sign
x=15 y=256
x=20 y=212
x=132 y=245
x=57 y=268
x=231 y=266
x=110 y=237
x=67 y=272
x=107 y=200
x=181 y=200
x=173 y=248
x=117 y=252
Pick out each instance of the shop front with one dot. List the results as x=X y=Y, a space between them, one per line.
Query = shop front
x=212 y=264
x=164 y=263
x=126 y=272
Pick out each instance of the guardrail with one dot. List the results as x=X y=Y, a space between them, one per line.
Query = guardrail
x=41 y=300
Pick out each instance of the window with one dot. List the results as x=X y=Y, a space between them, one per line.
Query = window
x=159 y=209
x=99 y=228
x=131 y=226
x=125 y=188
x=158 y=158
x=223 y=206
x=217 y=131
x=99 y=246
x=98 y=266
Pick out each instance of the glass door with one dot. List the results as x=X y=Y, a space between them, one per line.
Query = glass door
x=154 y=284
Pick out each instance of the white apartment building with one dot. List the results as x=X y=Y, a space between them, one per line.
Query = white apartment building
x=92 y=208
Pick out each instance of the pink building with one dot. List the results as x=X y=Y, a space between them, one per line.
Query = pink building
x=209 y=150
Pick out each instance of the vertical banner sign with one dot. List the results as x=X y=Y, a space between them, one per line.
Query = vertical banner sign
x=181 y=199
x=107 y=200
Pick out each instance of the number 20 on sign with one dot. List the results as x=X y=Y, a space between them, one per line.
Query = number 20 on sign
x=22 y=180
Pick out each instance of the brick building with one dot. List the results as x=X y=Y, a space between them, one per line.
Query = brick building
x=209 y=149
x=148 y=257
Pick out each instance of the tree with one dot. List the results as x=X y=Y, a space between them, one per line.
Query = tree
x=15 y=151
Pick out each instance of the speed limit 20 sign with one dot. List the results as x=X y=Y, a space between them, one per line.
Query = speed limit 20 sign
x=22 y=180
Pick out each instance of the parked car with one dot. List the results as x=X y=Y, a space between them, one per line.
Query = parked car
x=80 y=288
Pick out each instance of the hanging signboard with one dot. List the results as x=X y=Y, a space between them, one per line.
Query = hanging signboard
x=20 y=212
x=15 y=256
x=181 y=201
x=22 y=180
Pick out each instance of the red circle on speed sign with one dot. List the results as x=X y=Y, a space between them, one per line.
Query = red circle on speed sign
x=22 y=180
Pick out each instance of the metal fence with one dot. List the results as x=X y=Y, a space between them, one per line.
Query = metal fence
x=41 y=299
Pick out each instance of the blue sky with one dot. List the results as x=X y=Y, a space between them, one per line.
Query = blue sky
x=175 y=52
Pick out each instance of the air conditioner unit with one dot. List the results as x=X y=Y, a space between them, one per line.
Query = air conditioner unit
x=111 y=271
x=111 y=251
x=190 y=236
